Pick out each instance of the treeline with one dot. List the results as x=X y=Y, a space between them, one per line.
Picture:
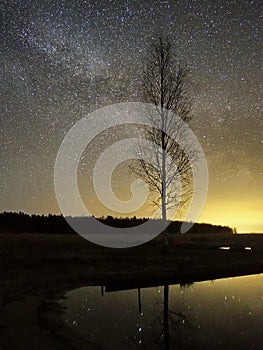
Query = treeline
x=24 y=223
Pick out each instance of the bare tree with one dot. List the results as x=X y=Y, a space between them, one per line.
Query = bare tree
x=164 y=83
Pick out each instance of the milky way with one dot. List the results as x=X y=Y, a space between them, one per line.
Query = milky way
x=63 y=59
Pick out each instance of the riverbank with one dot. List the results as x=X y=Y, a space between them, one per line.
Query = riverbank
x=38 y=269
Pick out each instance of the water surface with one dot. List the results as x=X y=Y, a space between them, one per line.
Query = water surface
x=220 y=314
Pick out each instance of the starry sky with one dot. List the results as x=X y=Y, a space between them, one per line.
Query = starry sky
x=62 y=59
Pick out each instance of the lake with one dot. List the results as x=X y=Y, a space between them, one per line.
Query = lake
x=220 y=314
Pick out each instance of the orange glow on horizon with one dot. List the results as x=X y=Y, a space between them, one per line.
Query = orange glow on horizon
x=233 y=214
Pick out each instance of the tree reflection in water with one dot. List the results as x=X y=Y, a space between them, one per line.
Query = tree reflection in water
x=172 y=321
x=175 y=326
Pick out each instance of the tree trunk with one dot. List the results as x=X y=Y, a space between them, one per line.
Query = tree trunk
x=166 y=317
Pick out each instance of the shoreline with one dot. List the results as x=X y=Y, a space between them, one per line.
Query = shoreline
x=37 y=272
x=44 y=327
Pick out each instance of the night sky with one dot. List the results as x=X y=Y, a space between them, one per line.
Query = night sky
x=63 y=59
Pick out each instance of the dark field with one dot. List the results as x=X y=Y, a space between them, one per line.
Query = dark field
x=39 y=268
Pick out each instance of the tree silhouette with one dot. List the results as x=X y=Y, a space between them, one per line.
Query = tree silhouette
x=169 y=176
